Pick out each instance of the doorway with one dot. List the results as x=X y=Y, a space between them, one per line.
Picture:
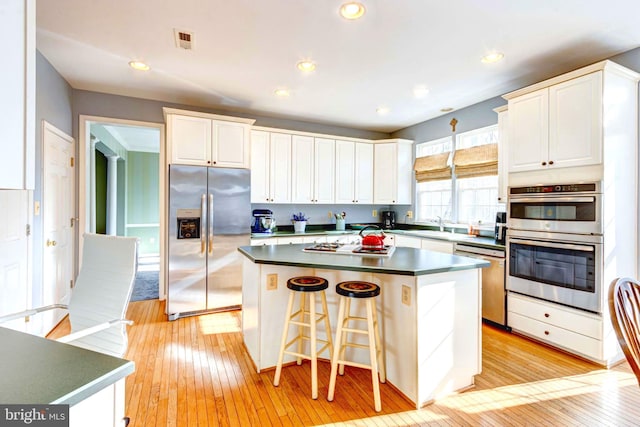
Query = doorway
x=122 y=191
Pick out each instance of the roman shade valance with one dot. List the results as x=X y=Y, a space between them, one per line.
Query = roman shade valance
x=481 y=160
x=432 y=168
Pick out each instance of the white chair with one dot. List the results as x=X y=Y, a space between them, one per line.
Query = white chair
x=101 y=295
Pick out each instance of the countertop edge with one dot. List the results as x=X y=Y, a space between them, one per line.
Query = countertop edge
x=89 y=389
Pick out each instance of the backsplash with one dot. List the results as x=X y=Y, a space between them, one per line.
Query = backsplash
x=319 y=214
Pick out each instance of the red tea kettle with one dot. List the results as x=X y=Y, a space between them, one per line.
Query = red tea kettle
x=372 y=241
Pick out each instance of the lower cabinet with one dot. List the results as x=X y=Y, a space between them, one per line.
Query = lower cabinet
x=423 y=243
x=573 y=330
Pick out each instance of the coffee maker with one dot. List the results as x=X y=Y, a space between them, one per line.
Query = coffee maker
x=263 y=221
x=388 y=219
x=500 y=232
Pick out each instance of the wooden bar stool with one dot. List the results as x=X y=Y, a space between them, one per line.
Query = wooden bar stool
x=368 y=292
x=305 y=318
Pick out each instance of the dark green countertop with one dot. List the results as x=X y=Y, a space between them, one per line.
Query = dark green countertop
x=36 y=370
x=404 y=261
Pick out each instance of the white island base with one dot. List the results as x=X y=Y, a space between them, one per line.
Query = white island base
x=430 y=324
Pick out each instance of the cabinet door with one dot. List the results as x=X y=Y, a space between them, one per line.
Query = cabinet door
x=190 y=140
x=529 y=131
x=17 y=86
x=385 y=173
x=408 y=242
x=280 y=168
x=345 y=171
x=575 y=122
x=302 y=159
x=230 y=147
x=363 y=174
x=503 y=147
x=324 y=170
x=437 y=245
x=260 y=167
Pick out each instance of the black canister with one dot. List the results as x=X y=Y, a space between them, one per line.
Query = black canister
x=500 y=232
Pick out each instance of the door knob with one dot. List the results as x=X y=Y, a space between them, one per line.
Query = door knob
x=51 y=242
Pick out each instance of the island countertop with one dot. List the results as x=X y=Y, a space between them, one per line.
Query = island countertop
x=36 y=370
x=404 y=261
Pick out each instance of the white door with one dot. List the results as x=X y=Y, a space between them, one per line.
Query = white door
x=324 y=170
x=363 y=173
x=385 y=173
x=190 y=139
x=280 y=168
x=14 y=255
x=230 y=144
x=345 y=172
x=529 y=131
x=302 y=169
x=58 y=204
x=260 y=167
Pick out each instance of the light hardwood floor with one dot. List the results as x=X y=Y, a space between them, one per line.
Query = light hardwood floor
x=195 y=372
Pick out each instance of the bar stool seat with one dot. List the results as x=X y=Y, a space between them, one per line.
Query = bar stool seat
x=367 y=292
x=305 y=317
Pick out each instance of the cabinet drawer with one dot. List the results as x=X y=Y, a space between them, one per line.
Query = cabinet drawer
x=559 y=337
x=552 y=314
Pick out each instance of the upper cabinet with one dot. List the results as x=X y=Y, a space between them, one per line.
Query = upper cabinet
x=312 y=169
x=503 y=146
x=17 y=108
x=567 y=121
x=393 y=172
x=208 y=140
x=354 y=172
x=270 y=167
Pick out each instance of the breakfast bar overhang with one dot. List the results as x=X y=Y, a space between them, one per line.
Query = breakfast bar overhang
x=429 y=311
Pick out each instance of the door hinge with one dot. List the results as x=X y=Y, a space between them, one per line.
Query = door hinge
x=28 y=230
x=72 y=221
x=72 y=161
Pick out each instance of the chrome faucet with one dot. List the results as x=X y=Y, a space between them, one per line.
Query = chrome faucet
x=441 y=223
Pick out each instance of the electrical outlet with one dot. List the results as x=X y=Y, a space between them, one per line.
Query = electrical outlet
x=374 y=213
x=330 y=215
x=409 y=214
x=406 y=295
x=272 y=282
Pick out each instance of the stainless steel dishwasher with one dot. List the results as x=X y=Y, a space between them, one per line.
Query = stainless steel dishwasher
x=494 y=299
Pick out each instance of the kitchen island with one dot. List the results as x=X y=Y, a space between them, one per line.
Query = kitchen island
x=429 y=309
x=36 y=370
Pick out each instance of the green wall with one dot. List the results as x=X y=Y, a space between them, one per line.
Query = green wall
x=101 y=193
x=143 y=208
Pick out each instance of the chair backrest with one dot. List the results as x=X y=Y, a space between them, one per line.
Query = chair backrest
x=624 y=307
x=102 y=291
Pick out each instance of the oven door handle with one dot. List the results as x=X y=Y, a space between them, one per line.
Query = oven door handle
x=553 y=245
x=552 y=199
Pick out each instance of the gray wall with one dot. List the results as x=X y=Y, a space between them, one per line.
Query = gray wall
x=53 y=104
x=123 y=107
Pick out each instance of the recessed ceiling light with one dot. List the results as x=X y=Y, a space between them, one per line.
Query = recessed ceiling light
x=138 y=65
x=306 y=66
x=382 y=110
x=420 y=91
x=446 y=109
x=492 y=57
x=282 y=92
x=352 y=10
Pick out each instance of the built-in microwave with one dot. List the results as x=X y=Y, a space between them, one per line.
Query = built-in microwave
x=565 y=208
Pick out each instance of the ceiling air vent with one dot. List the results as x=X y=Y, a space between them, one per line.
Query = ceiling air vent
x=184 y=39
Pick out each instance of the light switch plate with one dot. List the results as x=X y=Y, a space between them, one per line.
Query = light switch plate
x=406 y=295
x=374 y=213
x=272 y=282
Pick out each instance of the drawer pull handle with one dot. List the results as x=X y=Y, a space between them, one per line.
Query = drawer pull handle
x=546 y=332
x=547 y=315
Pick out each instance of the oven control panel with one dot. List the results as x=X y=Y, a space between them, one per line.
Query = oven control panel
x=561 y=188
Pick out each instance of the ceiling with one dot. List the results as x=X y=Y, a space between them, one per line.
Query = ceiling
x=131 y=138
x=246 y=49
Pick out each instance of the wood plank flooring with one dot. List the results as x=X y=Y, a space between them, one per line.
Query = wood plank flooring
x=196 y=372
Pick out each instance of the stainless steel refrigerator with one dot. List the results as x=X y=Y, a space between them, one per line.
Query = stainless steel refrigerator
x=209 y=217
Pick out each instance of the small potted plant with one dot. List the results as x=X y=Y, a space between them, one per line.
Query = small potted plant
x=299 y=222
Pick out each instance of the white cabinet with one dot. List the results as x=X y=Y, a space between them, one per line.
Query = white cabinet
x=503 y=149
x=573 y=330
x=354 y=172
x=312 y=169
x=393 y=173
x=270 y=167
x=437 y=245
x=557 y=126
x=208 y=140
x=17 y=108
x=408 y=242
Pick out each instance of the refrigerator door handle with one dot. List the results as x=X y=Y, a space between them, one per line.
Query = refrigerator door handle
x=210 y=223
x=203 y=224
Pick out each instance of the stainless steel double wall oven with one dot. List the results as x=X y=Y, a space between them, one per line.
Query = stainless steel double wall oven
x=554 y=243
